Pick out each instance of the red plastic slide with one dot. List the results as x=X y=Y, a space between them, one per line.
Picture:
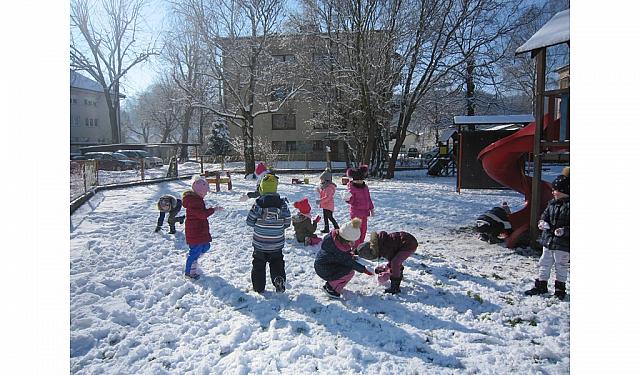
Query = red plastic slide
x=504 y=160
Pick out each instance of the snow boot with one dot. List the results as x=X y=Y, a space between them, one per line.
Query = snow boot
x=325 y=230
x=560 y=290
x=278 y=282
x=180 y=219
x=330 y=291
x=395 y=285
x=192 y=276
x=539 y=288
x=172 y=230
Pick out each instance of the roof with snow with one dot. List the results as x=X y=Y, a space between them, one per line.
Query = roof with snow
x=79 y=81
x=493 y=120
x=556 y=31
x=446 y=134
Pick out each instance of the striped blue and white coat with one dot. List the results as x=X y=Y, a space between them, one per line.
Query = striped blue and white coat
x=269 y=217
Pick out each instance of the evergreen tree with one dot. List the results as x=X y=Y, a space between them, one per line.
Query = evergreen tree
x=219 y=142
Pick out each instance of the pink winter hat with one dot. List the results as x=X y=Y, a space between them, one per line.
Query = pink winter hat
x=200 y=186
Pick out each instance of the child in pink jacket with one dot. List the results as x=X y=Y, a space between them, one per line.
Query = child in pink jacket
x=327 y=190
x=358 y=198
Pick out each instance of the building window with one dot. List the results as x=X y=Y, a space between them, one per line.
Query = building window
x=86 y=121
x=284 y=58
x=95 y=122
x=279 y=92
x=277 y=146
x=74 y=100
x=283 y=121
x=90 y=122
x=75 y=121
x=291 y=146
x=318 y=146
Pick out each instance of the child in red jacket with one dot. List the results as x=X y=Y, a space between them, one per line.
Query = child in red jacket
x=196 y=226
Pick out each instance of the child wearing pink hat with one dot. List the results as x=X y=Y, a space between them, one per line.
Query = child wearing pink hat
x=196 y=225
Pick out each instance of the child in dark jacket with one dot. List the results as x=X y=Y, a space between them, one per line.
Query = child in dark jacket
x=304 y=227
x=269 y=217
x=554 y=224
x=327 y=190
x=335 y=262
x=493 y=225
x=395 y=247
x=171 y=205
x=196 y=227
x=359 y=200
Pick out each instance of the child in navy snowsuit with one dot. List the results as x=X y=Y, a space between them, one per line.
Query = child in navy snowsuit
x=269 y=217
x=554 y=224
x=335 y=262
x=494 y=223
x=171 y=205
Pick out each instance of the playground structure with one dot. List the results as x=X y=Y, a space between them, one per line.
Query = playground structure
x=474 y=133
x=547 y=139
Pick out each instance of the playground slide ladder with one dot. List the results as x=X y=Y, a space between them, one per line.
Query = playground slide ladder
x=442 y=166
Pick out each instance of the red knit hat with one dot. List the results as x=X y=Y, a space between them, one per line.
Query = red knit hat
x=303 y=206
x=260 y=169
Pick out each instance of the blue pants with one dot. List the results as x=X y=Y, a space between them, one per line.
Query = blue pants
x=194 y=253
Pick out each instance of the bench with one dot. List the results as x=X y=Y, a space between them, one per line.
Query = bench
x=214 y=177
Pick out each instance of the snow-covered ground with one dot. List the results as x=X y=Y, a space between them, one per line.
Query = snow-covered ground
x=461 y=309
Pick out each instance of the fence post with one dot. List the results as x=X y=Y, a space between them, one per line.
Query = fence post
x=84 y=176
x=142 y=169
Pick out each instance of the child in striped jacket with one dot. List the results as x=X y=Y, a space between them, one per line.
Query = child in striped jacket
x=269 y=217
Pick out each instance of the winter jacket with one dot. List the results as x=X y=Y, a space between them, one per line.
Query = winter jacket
x=395 y=247
x=303 y=226
x=196 y=224
x=360 y=203
x=269 y=217
x=335 y=260
x=557 y=215
x=497 y=219
x=326 y=196
x=176 y=206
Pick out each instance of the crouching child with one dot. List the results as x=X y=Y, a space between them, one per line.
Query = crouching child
x=493 y=226
x=168 y=204
x=395 y=247
x=335 y=262
x=305 y=228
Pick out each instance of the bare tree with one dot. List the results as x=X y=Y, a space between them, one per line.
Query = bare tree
x=239 y=38
x=158 y=110
x=103 y=44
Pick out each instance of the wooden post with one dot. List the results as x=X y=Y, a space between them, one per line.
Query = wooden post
x=229 y=186
x=541 y=61
x=142 y=169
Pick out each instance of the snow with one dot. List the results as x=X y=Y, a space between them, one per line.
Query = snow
x=461 y=310
x=554 y=32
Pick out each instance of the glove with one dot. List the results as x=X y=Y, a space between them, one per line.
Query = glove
x=317 y=219
x=368 y=272
x=157 y=230
x=371 y=213
x=542 y=225
x=382 y=268
x=559 y=232
x=346 y=196
x=218 y=208
x=318 y=202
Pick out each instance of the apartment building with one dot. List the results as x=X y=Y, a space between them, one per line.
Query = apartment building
x=88 y=116
x=294 y=130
